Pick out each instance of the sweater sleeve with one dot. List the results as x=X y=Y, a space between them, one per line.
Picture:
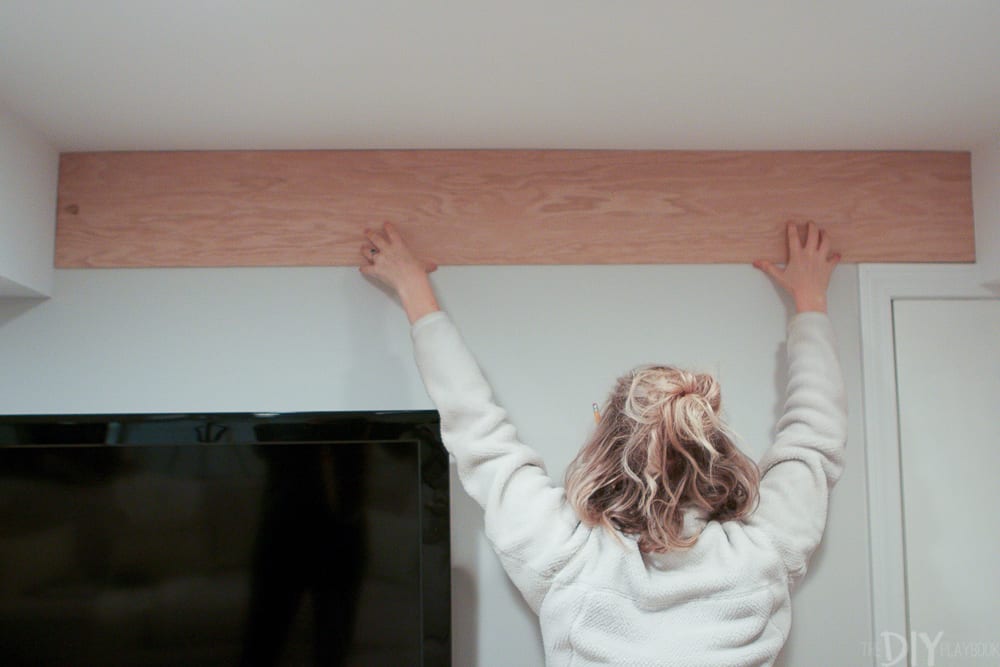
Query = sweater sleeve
x=807 y=458
x=527 y=519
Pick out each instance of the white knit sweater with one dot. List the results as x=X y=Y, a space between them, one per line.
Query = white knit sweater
x=725 y=602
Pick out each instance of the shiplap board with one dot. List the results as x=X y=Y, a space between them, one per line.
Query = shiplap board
x=309 y=208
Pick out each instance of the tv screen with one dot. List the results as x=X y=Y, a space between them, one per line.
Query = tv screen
x=224 y=540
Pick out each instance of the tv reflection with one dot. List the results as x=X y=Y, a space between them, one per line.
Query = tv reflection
x=310 y=541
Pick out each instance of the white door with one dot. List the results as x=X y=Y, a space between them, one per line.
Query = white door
x=948 y=383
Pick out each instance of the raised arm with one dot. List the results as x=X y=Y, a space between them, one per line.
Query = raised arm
x=807 y=458
x=528 y=521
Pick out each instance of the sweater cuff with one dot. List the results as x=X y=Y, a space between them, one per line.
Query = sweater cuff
x=427 y=320
x=808 y=318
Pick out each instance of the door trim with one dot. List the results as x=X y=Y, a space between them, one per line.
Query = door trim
x=879 y=285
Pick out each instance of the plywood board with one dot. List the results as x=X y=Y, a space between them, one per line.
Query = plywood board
x=309 y=208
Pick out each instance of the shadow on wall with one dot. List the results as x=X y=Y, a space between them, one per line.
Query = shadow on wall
x=788 y=655
x=464 y=619
x=781 y=360
x=526 y=610
x=12 y=308
x=781 y=387
x=370 y=322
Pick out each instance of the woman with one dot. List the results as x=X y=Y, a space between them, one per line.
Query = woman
x=667 y=546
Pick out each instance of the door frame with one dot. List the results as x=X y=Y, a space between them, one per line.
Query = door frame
x=879 y=286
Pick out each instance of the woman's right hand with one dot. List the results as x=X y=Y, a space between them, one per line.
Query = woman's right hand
x=806 y=275
x=388 y=259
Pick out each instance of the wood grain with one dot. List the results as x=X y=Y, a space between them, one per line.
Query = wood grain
x=309 y=208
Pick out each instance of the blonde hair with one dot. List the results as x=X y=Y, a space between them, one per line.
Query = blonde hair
x=660 y=448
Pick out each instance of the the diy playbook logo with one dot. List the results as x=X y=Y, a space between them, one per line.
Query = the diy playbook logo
x=924 y=649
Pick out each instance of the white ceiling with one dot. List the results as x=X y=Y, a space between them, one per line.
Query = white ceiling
x=700 y=74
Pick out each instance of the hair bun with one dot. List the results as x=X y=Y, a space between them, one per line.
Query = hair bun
x=687 y=383
x=712 y=391
x=702 y=385
x=651 y=389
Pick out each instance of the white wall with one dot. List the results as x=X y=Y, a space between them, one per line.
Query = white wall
x=29 y=169
x=986 y=205
x=551 y=339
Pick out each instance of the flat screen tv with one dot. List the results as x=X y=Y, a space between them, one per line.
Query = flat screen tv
x=224 y=539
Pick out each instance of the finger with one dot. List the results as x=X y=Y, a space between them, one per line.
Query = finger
x=391 y=232
x=430 y=267
x=770 y=269
x=376 y=239
x=794 y=240
x=824 y=244
x=368 y=251
x=367 y=269
x=812 y=236
x=835 y=259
